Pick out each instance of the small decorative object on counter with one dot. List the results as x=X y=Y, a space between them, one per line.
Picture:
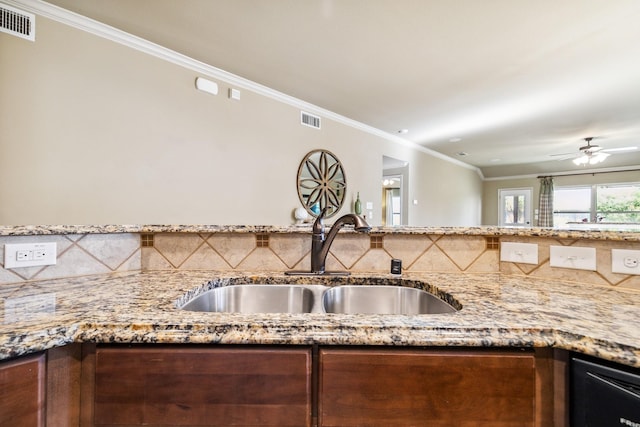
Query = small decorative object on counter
x=301 y=215
x=396 y=266
x=357 y=206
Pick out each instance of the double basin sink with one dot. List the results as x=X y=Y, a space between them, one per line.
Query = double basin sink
x=344 y=299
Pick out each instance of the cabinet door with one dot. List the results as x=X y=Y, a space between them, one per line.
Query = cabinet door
x=22 y=392
x=359 y=387
x=63 y=386
x=226 y=386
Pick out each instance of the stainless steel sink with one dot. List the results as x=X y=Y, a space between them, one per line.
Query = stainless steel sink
x=364 y=299
x=294 y=298
x=255 y=299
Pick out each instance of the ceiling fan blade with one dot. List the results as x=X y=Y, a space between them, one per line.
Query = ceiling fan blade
x=620 y=150
x=564 y=154
x=591 y=148
x=560 y=158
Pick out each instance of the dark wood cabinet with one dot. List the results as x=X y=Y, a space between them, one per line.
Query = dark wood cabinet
x=404 y=387
x=201 y=386
x=161 y=385
x=63 y=385
x=22 y=392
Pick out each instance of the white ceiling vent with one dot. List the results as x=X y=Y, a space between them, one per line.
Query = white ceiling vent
x=309 y=120
x=17 y=22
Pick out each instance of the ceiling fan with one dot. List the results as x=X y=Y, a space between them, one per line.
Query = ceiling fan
x=593 y=154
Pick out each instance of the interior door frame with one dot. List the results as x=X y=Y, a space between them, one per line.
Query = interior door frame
x=528 y=205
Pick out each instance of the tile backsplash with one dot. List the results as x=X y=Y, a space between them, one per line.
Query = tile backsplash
x=82 y=254
x=77 y=255
x=354 y=252
x=373 y=253
x=601 y=276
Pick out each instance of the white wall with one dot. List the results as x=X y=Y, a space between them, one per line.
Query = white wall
x=93 y=132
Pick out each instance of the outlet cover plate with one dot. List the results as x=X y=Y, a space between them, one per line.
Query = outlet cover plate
x=574 y=257
x=625 y=261
x=18 y=255
x=524 y=253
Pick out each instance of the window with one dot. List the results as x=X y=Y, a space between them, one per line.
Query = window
x=571 y=204
x=600 y=203
x=619 y=203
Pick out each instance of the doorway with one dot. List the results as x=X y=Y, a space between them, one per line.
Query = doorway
x=515 y=207
x=392 y=200
x=395 y=176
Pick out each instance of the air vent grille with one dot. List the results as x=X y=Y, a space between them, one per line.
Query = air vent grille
x=17 y=22
x=309 y=120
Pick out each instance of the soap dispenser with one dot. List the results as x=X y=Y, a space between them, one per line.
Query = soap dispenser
x=357 y=206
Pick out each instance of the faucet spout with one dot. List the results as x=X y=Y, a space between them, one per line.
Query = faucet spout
x=320 y=244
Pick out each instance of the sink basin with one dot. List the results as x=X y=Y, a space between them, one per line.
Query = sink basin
x=365 y=299
x=297 y=298
x=254 y=299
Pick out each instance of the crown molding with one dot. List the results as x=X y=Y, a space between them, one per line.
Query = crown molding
x=99 y=29
x=620 y=169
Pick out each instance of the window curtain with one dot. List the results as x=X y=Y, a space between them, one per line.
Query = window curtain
x=545 y=206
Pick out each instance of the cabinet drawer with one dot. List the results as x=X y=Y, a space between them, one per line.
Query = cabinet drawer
x=420 y=387
x=203 y=386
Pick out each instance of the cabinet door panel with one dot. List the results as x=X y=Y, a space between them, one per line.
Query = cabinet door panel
x=63 y=386
x=198 y=387
x=22 y=386
x=406 y=387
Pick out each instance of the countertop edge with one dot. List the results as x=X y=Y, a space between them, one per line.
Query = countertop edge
x=593 y=234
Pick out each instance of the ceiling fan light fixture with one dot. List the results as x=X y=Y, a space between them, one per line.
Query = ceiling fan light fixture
x=582 y=160
x=597 y=158
x=592 y=159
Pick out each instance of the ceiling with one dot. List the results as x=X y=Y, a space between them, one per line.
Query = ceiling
x=508 y=83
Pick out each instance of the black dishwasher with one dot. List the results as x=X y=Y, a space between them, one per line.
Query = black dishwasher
x=603 y=394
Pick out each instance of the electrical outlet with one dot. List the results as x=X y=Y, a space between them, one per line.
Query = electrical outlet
x=39 y=253
x=526 y=253
x=29 y=254
x=573 y=257
x=625 y=261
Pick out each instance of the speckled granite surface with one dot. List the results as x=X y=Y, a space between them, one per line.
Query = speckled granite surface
x=497 y=310
x=33 y=230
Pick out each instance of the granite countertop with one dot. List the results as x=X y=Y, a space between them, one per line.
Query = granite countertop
x=581 y=233
x=497 y=310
